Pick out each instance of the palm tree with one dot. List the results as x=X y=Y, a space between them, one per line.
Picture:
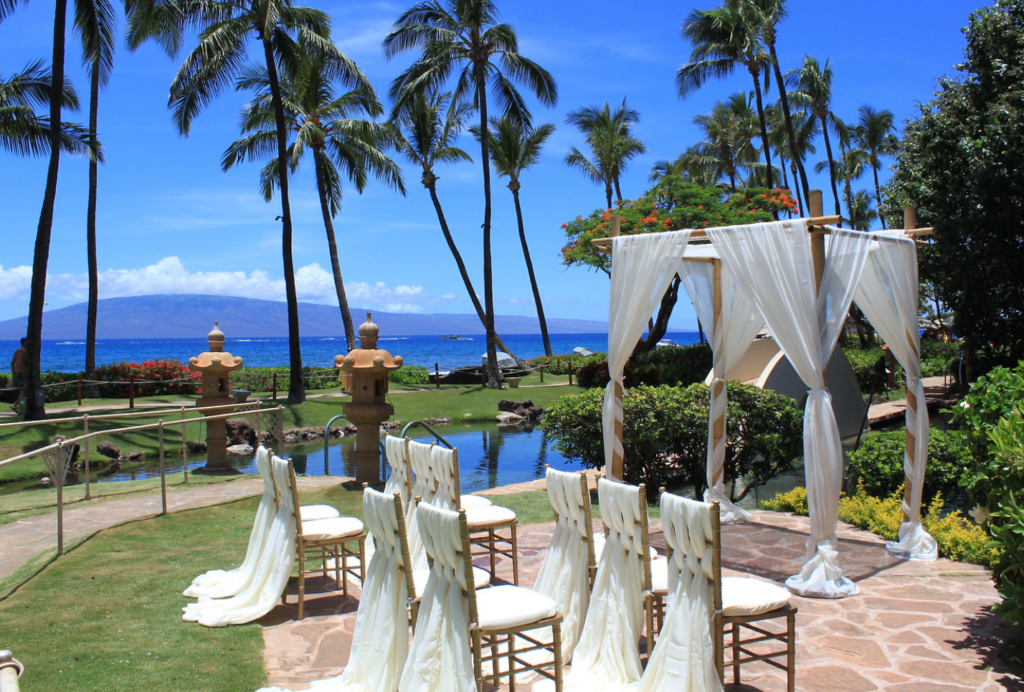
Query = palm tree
x=330 y=127
x=515 y=147
x=861 y=213
x=727 y=149
x=94 y=24
x=765 y=15
x=804 y=131
x=25 y=133
x=814 y=84
x=851 y=166
x=427 y=128
x=612 y=144
x=462 y=36
x=213 y=64
x=722 y=40
x=874 y=134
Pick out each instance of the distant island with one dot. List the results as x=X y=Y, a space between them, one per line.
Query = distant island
x=192 y=316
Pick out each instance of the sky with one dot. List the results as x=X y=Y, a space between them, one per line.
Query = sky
x=171 y=221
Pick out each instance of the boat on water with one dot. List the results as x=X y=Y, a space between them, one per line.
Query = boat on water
x=664 y=342
x=455 y=337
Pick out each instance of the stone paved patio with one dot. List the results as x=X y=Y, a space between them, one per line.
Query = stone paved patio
x=915 y=627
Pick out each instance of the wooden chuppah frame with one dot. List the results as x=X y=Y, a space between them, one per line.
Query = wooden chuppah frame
x=816 y=227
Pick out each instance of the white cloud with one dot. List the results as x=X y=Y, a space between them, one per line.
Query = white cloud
x=169 y=276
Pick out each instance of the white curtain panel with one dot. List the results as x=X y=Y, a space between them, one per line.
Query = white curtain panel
x=220 y=583
x=607 y=656
x=887 y=293
x=773 y=263
x=441 y=659
x=380 y=639
x=642 y=269
x=271 y=574
x=683 y=659
x=738 y=323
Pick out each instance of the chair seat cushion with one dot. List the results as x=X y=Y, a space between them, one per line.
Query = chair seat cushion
x=467 y=501
x=746 y=596
x=486 y=517
x=481 y=579
x=314 y=512
x=659 y=575
x=330 y=529
x=511 y=606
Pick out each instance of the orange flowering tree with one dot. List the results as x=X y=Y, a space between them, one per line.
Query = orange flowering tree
x=670 y=205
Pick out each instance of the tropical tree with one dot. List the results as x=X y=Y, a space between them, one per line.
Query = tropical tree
x=611 y=141
x=213 y=64
x=765 y=16
x=860 y=212
x=722 y=40
x=874 y=134
x=727 y=149
x=330 y=127
x=814 y=85
x=463 y=37
x=427 y=127
x=24 y=132
x=777 y=133
x=515 y=147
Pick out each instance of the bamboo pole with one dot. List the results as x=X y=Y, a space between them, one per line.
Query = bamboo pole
x=909 y=222
x=818 y=257
x=717 y=425
x=617 y=470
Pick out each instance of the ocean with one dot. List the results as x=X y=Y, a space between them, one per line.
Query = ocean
x=69 y=356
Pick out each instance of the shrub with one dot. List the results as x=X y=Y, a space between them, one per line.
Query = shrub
x=152 y=378
x=411 y=374
x=262 y=379
x=560 y=364
x=989 y=399
x=665 y=434
x=958 y=538
x=678 y=366
x=939 y=358
x=878 y=463
x=596 y=375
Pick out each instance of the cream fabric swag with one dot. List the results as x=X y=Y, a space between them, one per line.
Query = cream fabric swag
x=219 y=583
x=642 y=270
x=683 y=659
x=738 y=323
x=887 y=293
x=773 y=263
x=380 y=639
x=440 y=658
x=270 y=576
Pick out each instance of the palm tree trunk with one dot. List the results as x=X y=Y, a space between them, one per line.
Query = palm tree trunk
x=784 y=100
x=831 y=165
x=529 y=270
x=754 y=74
x=796 y=186
x=878 y=191
x=332 y=245
x=785 y=179
x=90 y=228
x=618 y=195
x=492 y=351
x=608 y=192
x=296 y=389
x=34 y=409
x=458 y=261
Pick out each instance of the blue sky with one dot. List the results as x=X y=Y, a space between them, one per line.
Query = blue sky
x=170 y=221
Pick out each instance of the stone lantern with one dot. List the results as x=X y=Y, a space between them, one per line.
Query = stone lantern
x=216 y=366
x=368 y=367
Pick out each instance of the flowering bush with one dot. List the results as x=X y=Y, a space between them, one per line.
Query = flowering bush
x=152 y=378
x=670 y=205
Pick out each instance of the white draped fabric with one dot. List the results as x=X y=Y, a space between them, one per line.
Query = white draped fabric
x=380 y=640
x=607 y=656
x=683 y=660
x=271 y=574
x=397 y=482
x=220 y=583
x=642 y=269
x=423 y=488
x=738 y=323
x=773 y=262
x=441 y=659
x=887 y=293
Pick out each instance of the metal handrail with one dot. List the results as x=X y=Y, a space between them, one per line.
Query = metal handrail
x=10 y=671
x=429 y=429
x=135 y=414
x=327 y=441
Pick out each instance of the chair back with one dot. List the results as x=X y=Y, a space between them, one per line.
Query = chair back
x=693 y=541
x=445 y=535
x=569 y=496
x=290 y=488
x=270 y=493
x=444 y=464
x=400 y=478
x=418 y=455
x=626 y=527
x=385 y=521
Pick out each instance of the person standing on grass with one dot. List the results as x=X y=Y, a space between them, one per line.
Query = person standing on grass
x=18 y=370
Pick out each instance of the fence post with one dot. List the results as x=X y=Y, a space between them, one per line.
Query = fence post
x=437 y=376
x=131 y=391
x=570 y=372
x=184 y=445
x=483 y=376
x=542 y=374
x=163 y=476
x=79 y=389
x=274 y=387
x=85 y=430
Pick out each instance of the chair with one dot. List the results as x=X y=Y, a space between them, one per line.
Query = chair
x=738 y=602
x=456 y=619
x=324 y=540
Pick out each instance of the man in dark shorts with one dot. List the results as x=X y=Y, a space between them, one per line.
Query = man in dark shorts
x=18 y=371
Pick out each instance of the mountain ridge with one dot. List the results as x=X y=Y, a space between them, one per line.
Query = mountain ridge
x=190 y=316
